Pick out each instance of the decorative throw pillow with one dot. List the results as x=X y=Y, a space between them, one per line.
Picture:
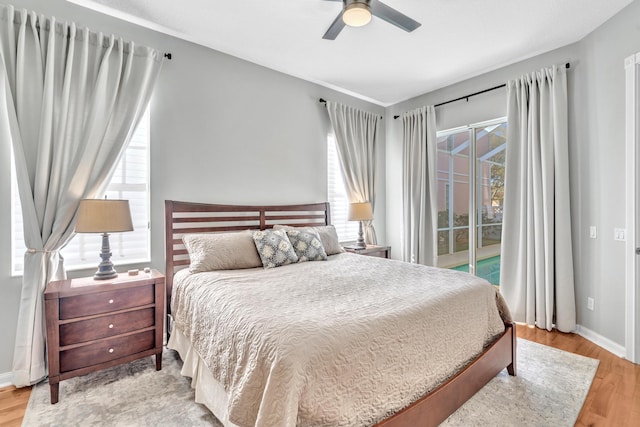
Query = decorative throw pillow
x=307 y=245
x=221 y=251
x=274 y=248
x=328 y=237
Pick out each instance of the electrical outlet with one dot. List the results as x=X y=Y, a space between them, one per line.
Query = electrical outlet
x=619 y=234
x=591 y=304
x=593 y=232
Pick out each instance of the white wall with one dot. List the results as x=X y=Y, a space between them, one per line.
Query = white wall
x=222 y=130
x=599 y=176
x=596 y=145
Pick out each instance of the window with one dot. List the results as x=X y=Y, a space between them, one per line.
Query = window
x=130 y=181
x=470 y=174
x=337 y=193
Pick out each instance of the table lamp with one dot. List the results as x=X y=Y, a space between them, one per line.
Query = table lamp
x=360 y=212
x=104 y=216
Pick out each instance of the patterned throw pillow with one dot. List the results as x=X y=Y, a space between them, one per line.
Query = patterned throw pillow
x=274 y=248
x=307 y=245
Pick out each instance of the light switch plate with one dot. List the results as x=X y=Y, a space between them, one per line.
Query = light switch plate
x=590 y=304
x=619 y=234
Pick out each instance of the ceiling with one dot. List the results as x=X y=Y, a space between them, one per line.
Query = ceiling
x=379 y=62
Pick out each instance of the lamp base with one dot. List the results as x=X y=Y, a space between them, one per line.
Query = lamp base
x=360 y=244
x=105 y=268
x=106 y=274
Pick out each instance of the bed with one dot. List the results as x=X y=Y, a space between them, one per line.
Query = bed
x=337 y=342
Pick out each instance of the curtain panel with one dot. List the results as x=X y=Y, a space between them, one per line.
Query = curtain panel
x=537 y=261
x=356 y=140
x=69 y=102
x=419 y=187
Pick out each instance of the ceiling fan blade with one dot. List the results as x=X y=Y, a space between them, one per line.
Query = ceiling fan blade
x=392 y=16
x=335 y=28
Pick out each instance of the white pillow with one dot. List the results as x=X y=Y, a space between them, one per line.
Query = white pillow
x=328 y=237
x=221 y=251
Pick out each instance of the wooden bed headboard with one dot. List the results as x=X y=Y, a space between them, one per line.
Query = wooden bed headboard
x=185 y=218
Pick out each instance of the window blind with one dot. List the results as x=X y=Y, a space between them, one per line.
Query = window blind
x=337 y=194
x=130 y=181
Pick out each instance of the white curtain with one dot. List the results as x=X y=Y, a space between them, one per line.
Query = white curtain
x=356 y=139
x=419 y=187
x=69 y=102
x=537 y=262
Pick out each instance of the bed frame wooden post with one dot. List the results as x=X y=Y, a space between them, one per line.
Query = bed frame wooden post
x=511 y=367
x=168 y=252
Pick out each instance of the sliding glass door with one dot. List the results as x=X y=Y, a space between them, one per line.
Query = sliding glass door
x=470 y=172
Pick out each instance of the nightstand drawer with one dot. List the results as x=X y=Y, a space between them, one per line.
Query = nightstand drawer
x=115 y=348
x=380 y=254
x=106 y=326
x=105 y=302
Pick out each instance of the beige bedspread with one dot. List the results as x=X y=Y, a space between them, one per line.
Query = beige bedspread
x=347 y=341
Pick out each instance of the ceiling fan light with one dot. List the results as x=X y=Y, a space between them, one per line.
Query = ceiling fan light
x=356 y=15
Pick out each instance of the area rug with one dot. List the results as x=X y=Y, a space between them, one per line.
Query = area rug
x=549 y=390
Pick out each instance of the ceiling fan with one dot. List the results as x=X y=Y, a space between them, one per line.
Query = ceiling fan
x=357 y=13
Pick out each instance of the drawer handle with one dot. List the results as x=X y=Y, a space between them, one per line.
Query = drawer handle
x=110 y=350
x=110 y=301
x=111 y=326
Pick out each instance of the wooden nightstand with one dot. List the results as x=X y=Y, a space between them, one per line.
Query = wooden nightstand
x=371 y=250
x=97 y=324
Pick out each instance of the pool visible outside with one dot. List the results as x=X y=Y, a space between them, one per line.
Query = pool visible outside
x=488 y=269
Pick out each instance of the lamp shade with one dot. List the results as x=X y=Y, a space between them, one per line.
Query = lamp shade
x=356 y=14
x=103 y=216
x=360 y=211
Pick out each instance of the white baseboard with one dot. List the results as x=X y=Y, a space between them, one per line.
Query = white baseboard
x=603 y=342
x=6 y=379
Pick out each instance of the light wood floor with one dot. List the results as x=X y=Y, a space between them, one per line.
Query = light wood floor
x=13 y=403
x=614 y=398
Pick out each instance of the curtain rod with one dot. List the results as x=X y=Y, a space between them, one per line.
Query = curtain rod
x=166 y=55
x=567 y=65
x=324 y=101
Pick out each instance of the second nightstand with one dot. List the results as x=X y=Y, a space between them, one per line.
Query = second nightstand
x=93 y=325
x=371 y=250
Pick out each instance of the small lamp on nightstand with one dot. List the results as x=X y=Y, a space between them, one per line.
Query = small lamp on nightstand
x=360 y=212
x=104 y=216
